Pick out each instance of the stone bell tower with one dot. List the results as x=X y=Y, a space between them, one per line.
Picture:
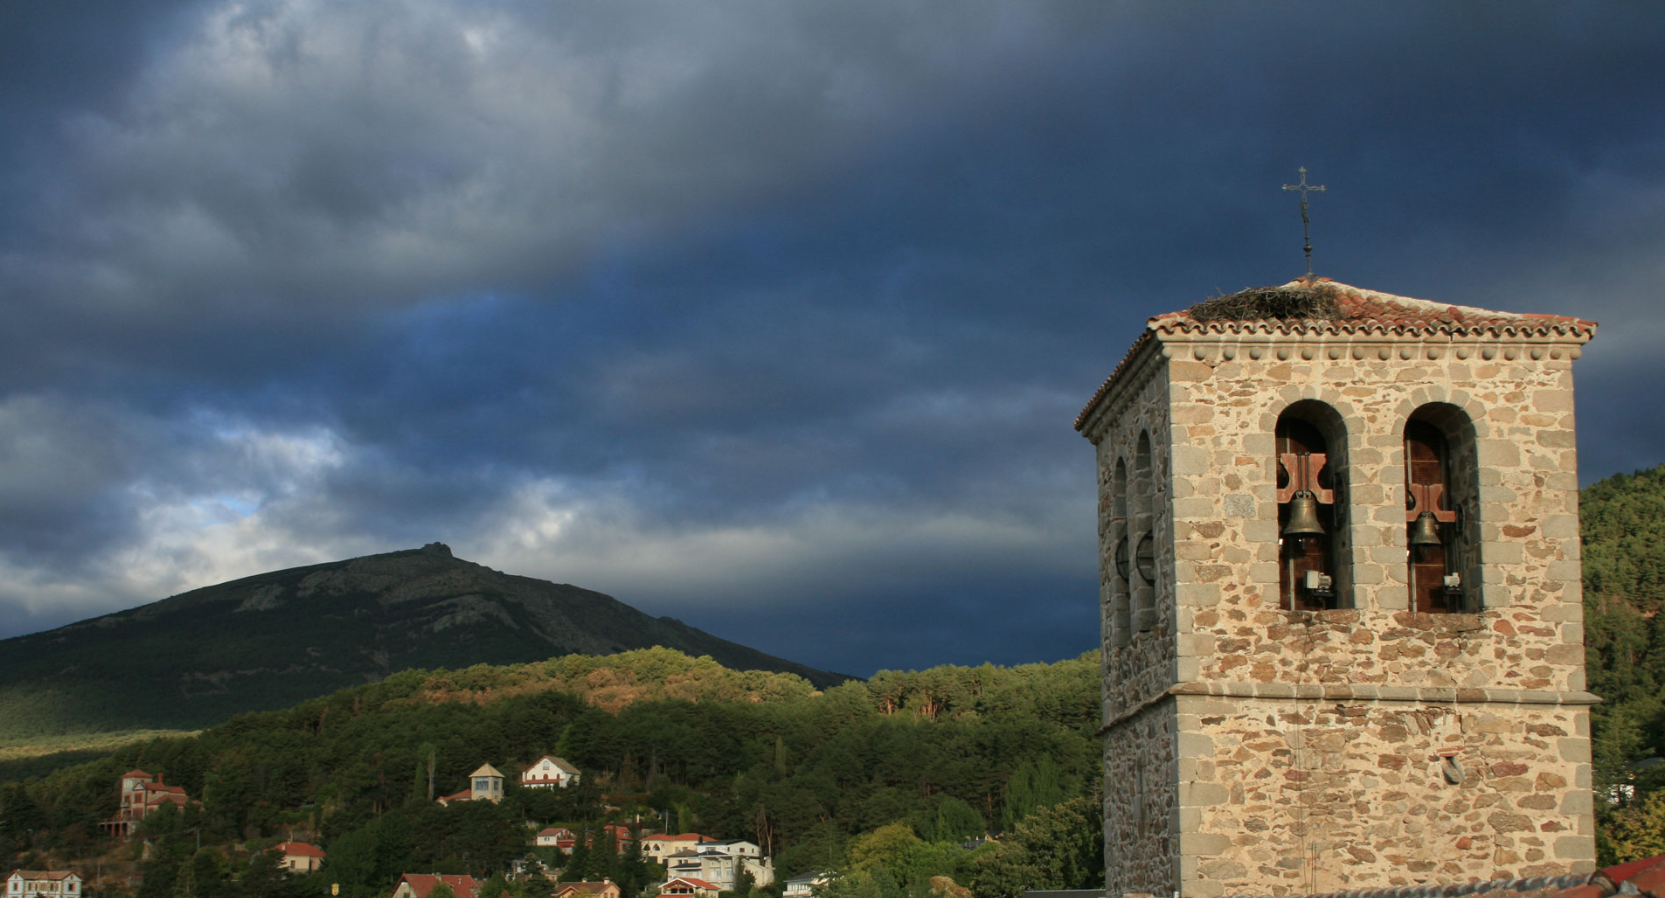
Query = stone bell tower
x=1339 y=575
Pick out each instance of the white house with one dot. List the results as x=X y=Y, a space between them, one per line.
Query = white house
x=722 y=869
x=549 y=772
x=299 y=857
x=659 y=847
x=556 y=837
x=804 y=884
x=731 y=847
x=56 y=883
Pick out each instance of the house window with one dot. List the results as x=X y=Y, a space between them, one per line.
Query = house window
x=1310 y=446
x=1441 y=489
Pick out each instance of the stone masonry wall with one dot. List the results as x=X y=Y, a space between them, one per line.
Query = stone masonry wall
x=1140 y=652
x=1225 y=405
x=1311 y=747
x=1308 y=772
x=1141 y=802
x=1314 y=796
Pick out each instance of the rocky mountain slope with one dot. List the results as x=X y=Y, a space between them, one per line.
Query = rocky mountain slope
x=271 y=640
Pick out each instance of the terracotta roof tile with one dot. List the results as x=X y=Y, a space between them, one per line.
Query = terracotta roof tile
x=1645 y=877
x=1652 y=880
x=589 y=887
x=423 y=883
x=300 y=849
x=1323 y=307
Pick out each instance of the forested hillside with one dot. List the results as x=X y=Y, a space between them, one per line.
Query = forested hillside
x=1623 y=519
x=885 y=780
x=271 y=640
x=888 y=776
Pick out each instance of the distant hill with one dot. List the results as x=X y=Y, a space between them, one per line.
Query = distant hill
x=273 y=640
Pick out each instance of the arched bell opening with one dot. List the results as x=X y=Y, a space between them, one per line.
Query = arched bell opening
x=1441 y=501
x=1313 y=542
x=1139 y=545
x=1121 y=591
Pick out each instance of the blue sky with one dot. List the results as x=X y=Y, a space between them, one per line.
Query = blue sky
x=772 y=317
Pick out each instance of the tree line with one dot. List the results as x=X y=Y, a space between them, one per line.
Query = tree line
x=664 y=741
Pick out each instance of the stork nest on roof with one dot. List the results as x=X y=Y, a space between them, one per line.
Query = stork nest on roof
x=1316 y=302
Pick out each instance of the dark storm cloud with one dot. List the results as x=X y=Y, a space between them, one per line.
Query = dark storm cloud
x=770 y=317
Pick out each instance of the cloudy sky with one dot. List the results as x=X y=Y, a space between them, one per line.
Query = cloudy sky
x=771 y=316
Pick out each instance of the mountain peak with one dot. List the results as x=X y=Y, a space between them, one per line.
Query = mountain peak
x=271 y=640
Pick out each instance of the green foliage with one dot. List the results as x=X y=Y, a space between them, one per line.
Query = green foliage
x=1058 y=847
x=1623 y=521
x=930 y=758
x=1034 y=785
x=1638 y=829
x=952 y=821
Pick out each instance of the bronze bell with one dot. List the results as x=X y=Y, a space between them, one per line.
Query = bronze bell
x=1303 y=516
x=1426 y=531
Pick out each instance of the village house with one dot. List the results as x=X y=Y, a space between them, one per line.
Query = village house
x=688 y=887
x=484 y=784
x=721 y=863
x=142 y=794
x=419 y=885
x=604 y=889
x=804 y=884
x=549 y=772
x=556 y=837
x=299 y=857
x=659 y=847
x=620 y=834
x=732 y=847
x=51 y=883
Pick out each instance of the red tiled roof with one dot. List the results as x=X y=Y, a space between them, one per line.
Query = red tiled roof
x=300 y=849
x=696 y=883
x=132 y=773
x=1352 y=310
x=1340 y=310
x=423 y=883
x=1652 y=880
x=592 y=888
x=1646 y=876
x=44 y=874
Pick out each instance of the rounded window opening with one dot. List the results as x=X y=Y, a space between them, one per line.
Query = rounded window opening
x=1312 y=532
x=1120 y=589
x=1141 y=521
x=1441 y=485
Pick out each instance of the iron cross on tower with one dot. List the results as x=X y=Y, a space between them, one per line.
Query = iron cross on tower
x=1305 y=222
